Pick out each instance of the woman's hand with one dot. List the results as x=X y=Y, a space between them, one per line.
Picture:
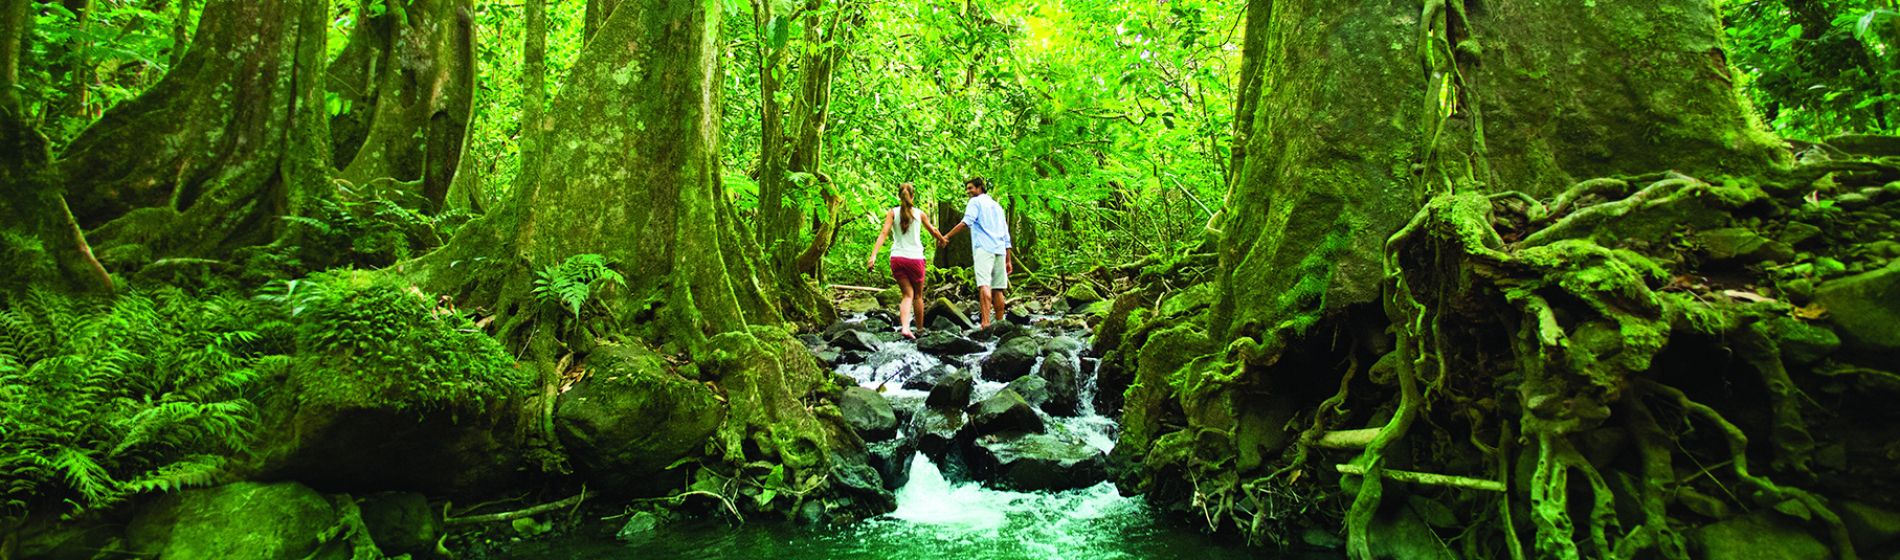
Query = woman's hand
x=870 y=264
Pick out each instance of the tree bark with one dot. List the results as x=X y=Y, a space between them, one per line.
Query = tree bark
x=38 y=239
x=408 y=78
x=1347 y=142
x=228 y=141
x=181 y=32
x=957 y=252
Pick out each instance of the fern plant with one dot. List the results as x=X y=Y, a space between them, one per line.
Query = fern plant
x=574 y=282
x=101 y=400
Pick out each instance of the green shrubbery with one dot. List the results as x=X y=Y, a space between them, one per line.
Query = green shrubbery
x=105 y=398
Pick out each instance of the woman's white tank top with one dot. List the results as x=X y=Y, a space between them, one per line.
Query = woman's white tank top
x=908 y=245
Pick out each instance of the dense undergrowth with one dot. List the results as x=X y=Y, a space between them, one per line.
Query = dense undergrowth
x=153 y=391
x=1633 y=368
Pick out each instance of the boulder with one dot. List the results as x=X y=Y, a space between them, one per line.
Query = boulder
x=1037 y=462
x=949 y=312
x=1033 y=388
x=402 y=523
x=1012 y=359
x=1865 y=310
x=632 y=417
x=1762 y=534
x=944 y=343
x=868 y=414
x=935 y=432
x=854 y=340
x=1001 y=331
x=892 y=460
x=952 y=392
x=1742 y=246
x=1005 y=413
x=927 y=379
x=858 y=305
x=1065 y=345
x=1801 y=342
x=1064 y=384
x=640 y=527
x=944 y=324
x=1111 y=381
x=1081 y=295
x=243 y=520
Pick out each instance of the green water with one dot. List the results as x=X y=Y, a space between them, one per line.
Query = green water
x=935 y=519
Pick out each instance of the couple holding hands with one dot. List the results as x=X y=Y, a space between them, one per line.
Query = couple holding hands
x=989 y=241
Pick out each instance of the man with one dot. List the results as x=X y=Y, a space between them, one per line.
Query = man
x=989 y=244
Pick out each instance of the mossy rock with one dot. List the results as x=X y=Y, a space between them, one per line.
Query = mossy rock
x=1763 y=534
x=402 y=523
x=1801 y=342
x=1742 y=245
x=1037 y=462
x=1081 y=295
x=1865 y=310
x=243 y=520
x=1012 y=359
x=632 y=417
x=1005 y=413
x=868 y=414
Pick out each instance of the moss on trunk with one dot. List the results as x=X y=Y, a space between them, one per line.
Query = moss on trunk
x=230 y=140
x=407 y=79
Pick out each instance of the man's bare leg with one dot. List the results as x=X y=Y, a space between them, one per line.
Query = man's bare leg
x=983 y=305
x=998 y=305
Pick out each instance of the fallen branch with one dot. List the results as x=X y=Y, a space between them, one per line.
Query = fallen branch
x=1347 y=439
x=574 y=500
x=856 y=288
x=1430 y=479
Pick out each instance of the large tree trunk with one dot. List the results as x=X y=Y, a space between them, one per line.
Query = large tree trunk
x=956 y=253
x=408 y=79
x=791 y=154
x=1347 y=142
x=1357 y=115
x=38 y=239
x=639 y=184
x=230 y=140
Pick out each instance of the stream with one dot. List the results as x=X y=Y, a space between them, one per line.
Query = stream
x=937 y=517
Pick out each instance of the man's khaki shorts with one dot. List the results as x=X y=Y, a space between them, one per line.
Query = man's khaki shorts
x=991 y=270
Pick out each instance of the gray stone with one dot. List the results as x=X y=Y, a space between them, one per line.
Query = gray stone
x=1014 y=358
x=952 y=392
x=1033 y=388
x=948 y=312
x=855 y=340
x=944 y=343
x=640 y=527
x=868 y=414
x=1005 y=413
x=402 y=523
x=1037 y=462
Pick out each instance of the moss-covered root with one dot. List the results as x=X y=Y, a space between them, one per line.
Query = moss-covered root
x=1793 y=445
x=1771 y=494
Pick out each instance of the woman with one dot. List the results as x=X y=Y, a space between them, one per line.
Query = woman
x=907 y=255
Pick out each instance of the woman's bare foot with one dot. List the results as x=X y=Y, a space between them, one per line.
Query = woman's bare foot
x=907 y=334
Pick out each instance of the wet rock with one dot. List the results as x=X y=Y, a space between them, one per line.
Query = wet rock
x=949 y=312
x=857 y=305
x=1763 y=534
x=868 y=414
x=1005 y=413
x=935 y=431
x=1111 y=381
x=952 y=392
x=944 y=343
x=892 y=460
x=1742 y=245
x=402 y=523
x=999 y=332
x=855 y=340
x=1065 y=345
x=944 y=324
x=1012 y=359
x=1064 y=382
x=1033 y=388
x=640 y=527
x=632 y=417
x=1080 y=295
x=1802 y=343
x=927 y=379
x=243 y=520
x=1865 y=310
x=1037 y=462
x=1797 y=233
x=856 y=487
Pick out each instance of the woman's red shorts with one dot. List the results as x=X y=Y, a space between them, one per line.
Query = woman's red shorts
x=908 y=269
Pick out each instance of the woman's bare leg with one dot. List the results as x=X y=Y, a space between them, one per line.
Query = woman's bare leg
x=917 y=305
x=909 y=292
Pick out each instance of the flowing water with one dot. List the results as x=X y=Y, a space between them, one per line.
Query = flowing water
x=935 y=517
